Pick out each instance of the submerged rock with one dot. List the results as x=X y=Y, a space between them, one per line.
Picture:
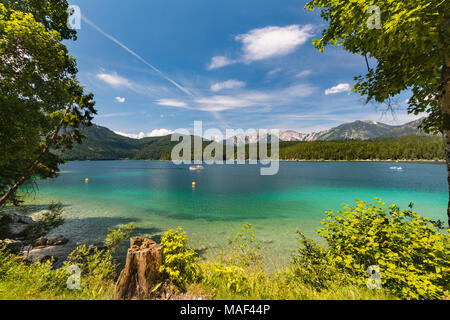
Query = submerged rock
x=39 y=242
x=57 y=240
x=53 y=241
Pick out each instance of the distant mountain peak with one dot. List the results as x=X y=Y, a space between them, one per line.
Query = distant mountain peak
x=370 y=121
x=356 y=130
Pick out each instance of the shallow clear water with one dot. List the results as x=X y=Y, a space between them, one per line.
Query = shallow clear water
x=158 y=195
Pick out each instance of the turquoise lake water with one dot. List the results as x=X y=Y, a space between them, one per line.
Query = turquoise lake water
x=158 y=195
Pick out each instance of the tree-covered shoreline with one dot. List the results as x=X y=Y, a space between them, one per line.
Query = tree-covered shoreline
x=102 y=144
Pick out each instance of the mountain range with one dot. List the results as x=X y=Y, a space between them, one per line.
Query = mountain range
x=103 y=144
x=357 y=130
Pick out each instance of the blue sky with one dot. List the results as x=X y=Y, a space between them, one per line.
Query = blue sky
x=159 y=65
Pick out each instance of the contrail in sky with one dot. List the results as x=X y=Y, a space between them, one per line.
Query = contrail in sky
x=179 y=86
x=137 y=56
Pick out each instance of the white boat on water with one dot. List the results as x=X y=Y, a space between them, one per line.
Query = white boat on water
x=396 y=168
x=196 y=168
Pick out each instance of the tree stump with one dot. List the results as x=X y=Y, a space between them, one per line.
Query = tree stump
x=141 y=272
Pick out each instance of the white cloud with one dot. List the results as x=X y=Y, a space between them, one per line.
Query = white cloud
x=113 y=79
x=221 y=103
x=274 y=71
x=342 y=87
x=304 y=73
x=299 y=90
x=131 y=135
x=242 y=98
x=265 y=43
x=272 y=41
x=219 y=62
x=112 y=115
x=154 y=133
x=120 y=99
x=172 y=103
x=230 y=84
x=159 y=133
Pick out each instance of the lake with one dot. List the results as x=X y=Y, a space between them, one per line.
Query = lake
x=158 y=195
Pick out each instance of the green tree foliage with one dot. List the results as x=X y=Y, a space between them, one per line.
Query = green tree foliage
x=412 y=252
x=51 y=14
x=410 y=49
x=103 y=144
x=43 y=107
x=404 y=148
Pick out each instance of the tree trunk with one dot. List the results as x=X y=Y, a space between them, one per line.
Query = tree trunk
x=445 y=100
x=447 y=154
x=30 y=170
x=141 y=272
x=18 y=183
x=446 y=114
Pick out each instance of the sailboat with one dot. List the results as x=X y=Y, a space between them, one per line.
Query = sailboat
x=196 y=168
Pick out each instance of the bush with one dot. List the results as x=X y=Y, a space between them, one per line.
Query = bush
x=116 y=236
x=243 y=250
x=313 y=265
x=241 y=259
x=180 y=264
x=20 y=280
x=237 y=275
x=233 y=278
x=411 y=251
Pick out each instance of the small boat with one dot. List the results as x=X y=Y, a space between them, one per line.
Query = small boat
x=196 y=168
x=396 y=168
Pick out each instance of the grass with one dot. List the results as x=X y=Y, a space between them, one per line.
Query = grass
x=282 y=285
x=20 y=280
x=24 y=281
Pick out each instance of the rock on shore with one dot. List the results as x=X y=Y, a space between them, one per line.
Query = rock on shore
x=15 y=231
x=16 y=226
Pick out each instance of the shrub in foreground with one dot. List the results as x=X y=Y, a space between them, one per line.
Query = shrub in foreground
x=412 y=252
x=180 y=264
x=238 y=274
x=24 y=281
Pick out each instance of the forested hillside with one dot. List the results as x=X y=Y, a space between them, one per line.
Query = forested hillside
x=403 y=148
x=103 y=144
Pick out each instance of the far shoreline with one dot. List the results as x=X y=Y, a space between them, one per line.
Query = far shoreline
x=289 y=160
